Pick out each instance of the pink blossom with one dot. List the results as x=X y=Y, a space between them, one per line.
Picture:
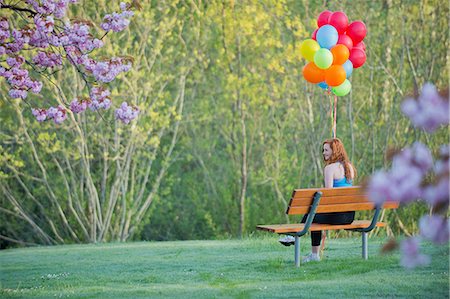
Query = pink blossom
x=441 y=167
x=99 y=99
x=15 y=61
x=57 y=114
x=17 y=93
x=35 y=86
x=126 y=113
x=40 y=114
x=72 y=41
x=379 y=187
x=411 y=257
x=117 y=21
x=51 y=112
x=44 y=25
x=39 y=39
x=77 y=36
x=435 y=228
x=106 y=71
x=46 y=7
x=4 y=29
x=429 y=111
x=60 y=116
x=44 y=59
x=403 y=181
x=437 y=194
x=78 y=106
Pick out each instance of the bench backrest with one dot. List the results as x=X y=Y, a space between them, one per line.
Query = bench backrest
x=342 y=199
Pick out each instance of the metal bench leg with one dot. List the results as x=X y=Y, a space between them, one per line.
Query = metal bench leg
x=365 y=251
x=297 y=251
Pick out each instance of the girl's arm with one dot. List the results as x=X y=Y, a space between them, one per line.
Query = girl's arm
x=328 y=176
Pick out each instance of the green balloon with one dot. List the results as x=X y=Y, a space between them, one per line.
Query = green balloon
x=342 y=89
x=323 y=58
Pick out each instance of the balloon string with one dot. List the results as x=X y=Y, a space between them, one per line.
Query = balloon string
x=334 y=117
x=331 y=115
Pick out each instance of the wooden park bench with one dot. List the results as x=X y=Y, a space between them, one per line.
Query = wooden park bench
x=328 y=200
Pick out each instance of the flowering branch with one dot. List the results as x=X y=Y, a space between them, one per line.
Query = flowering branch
x=51 y=44
x=409 y=177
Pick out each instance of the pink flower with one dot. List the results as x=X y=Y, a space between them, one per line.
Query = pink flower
x=117 y=21
x=99 y=99
x=44 y=25
x=379 y=187
x=126 y=113
x=17 y=93
x=78 y=106
x=403 y=181
x=51 y=112
x=4 y=30
x=57 y=114
x=15 y=61
x=435 y=228
x=436 y=194
x=40 y=114
x=411 y=257
x=44 y=59
x=429 y=111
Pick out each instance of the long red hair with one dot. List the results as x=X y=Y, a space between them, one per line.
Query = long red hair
x=339 y=155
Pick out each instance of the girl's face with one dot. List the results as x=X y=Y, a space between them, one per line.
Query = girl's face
x=327 y=152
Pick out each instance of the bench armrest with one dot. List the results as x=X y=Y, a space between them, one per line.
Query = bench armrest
x=311 y=214
x=373 y=224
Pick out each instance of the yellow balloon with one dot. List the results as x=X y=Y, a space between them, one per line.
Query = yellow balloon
x=308 y=48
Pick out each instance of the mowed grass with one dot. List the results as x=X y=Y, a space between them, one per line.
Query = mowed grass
x=256 y=267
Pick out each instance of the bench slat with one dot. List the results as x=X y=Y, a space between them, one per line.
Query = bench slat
x=296 y=227
x=299 y=202
x=340 y=208
x=354 y=190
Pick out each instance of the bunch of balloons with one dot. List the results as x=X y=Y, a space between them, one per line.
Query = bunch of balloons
x=335 y=49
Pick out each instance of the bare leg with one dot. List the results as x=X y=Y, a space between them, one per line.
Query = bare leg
x=315 y=249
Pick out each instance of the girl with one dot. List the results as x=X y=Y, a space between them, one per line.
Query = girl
x=338 y=172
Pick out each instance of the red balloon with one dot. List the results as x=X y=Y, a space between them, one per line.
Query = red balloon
x=361 y=45
x=345 y=40
x=357 y=57
x=357 y=31
x=339 y=21
x=313 y=36
x=323 y=18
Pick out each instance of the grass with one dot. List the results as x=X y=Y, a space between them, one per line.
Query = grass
x=257 y=267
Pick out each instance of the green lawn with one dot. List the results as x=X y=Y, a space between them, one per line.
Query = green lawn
x=257 y=267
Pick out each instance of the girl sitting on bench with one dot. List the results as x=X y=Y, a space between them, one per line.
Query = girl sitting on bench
x=338 y=172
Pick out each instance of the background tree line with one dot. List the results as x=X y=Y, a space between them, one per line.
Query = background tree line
x=228 y=126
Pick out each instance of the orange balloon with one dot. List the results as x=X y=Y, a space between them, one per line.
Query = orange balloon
x=313 y=74
x=340 y=54
x=335 y=75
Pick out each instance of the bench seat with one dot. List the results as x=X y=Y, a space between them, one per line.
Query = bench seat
x=297 y=227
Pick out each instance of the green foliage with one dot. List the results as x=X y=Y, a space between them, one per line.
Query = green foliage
x=227 y=120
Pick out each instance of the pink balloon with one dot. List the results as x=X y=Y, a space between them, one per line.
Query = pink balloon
x=346 y=41
x=361 y=45
x=339 y=21
x=357 y=31
x=323 y=18
x=313 y=36
x=357 y=57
